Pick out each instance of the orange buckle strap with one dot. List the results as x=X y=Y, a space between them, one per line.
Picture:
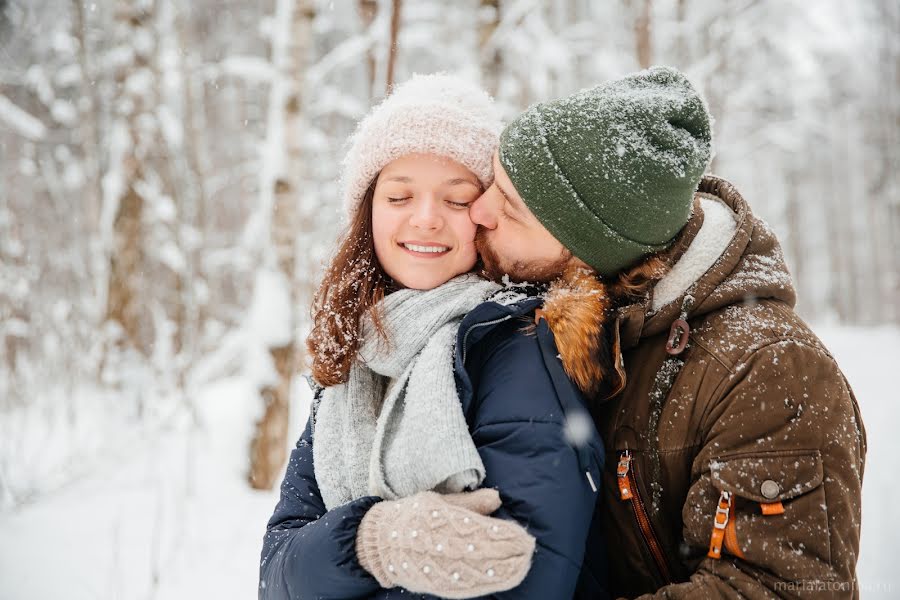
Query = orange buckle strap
x=622 y=476
x=724 y=529
x=720 y=522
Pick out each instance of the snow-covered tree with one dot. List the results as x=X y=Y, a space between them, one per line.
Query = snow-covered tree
x=169 y=176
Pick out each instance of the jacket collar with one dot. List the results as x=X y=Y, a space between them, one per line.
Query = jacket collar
x=509 y=303
x=750 y=267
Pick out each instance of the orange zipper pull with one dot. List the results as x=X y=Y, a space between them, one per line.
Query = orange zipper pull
x=622 y=473
x=720 y=522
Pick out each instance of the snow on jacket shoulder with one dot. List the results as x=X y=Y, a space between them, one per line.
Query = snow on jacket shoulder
x=522 y=412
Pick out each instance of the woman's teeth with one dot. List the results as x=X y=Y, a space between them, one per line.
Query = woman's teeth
x=432 y=249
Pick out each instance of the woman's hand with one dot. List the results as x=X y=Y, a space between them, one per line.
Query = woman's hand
x=444 y=545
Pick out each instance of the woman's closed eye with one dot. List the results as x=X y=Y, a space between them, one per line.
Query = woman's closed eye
x=459 y=205
x=398 y=200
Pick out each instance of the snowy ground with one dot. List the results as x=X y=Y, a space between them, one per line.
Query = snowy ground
x=172 y=518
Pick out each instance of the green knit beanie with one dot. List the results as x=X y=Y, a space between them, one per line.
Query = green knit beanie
x=611 y=171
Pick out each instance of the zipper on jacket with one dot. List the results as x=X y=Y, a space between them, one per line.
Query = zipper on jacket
x=465 y=347
x=628 y=490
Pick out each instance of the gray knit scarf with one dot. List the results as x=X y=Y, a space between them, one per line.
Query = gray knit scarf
x=396 y=427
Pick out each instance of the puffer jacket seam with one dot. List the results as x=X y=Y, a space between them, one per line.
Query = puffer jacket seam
x=518 y=422
x=560 y=554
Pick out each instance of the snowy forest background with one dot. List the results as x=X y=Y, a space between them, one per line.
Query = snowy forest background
x=168 y=191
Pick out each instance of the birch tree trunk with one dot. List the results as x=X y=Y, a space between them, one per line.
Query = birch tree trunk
x=291 y=46
x=642 y=34
x=681 y=48
x=490 y=57
x=90 y=136
x=126 y=251
x=396 y=7
x=368 y=9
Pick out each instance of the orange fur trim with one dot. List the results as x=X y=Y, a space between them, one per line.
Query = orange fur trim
x=579 y=310
x=576 y=308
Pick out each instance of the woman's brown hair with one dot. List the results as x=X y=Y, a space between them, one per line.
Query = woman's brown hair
x=352 y=286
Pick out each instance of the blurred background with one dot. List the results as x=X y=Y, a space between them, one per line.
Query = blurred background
x=168 y=192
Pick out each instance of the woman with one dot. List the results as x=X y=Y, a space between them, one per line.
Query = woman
x=416 y=408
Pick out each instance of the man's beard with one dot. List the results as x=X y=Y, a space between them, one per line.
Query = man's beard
x=495 y=268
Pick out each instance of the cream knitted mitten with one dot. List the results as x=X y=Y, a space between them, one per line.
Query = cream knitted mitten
x=444 y=545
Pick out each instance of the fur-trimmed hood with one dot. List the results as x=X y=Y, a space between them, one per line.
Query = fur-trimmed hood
x=733 y=258
x=576 y=307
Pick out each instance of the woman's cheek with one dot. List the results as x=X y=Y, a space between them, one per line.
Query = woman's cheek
x=466 y=234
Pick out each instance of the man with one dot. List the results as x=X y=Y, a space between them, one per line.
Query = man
x=735 y=446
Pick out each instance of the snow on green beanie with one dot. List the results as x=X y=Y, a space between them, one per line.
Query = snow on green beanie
x=611 y=171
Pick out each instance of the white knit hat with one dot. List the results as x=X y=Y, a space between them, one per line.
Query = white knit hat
x=434 y=114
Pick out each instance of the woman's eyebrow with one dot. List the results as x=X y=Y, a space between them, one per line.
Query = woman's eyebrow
x=400 y=178
x=460 y=181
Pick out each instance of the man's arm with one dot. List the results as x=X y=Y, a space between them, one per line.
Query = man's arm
x=787 y=434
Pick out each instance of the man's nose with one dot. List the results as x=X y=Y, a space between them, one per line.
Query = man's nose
x=484 y=210
x=425 y=216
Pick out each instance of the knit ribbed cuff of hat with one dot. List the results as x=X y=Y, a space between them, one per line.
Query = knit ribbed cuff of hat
x=529 y=163
x=368 y=549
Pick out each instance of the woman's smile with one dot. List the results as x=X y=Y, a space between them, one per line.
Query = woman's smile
x=421 y=229
x=425 y=249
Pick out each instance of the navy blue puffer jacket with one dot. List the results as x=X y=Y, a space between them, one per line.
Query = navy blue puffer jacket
x=517 y=401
